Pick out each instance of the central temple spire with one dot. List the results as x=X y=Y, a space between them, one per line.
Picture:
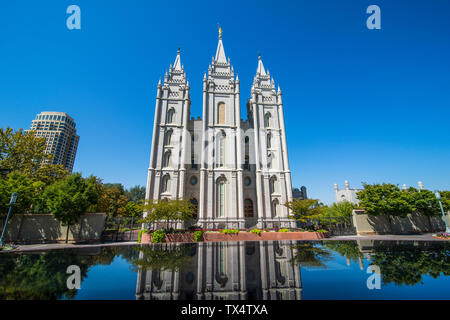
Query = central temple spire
x=177 y=63
x=261 y=71
x=220 y=53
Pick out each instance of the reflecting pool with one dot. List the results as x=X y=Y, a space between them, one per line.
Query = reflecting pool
x=287 y=270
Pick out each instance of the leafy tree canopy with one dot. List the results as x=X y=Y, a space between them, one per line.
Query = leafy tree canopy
x=70 y=197
x=169 y=210
x=384 y=199
x=302 y=210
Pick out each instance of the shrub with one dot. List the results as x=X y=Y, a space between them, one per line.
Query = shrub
x=322 y=231
x=229 y=231
x=141 y=232
x=198 y=235
x=124 y=229
x=158 y=236
x=256 y=231
x=284 y=230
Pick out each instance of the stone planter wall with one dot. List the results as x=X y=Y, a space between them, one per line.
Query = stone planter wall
x=241 y=236
x=36 y=228
x=413 y=223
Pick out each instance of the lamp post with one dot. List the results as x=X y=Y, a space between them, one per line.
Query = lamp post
x=12 y=202
x=438 y=197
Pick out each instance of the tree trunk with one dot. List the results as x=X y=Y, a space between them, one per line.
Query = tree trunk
x=67 y=233
x=429 y=222
x=390 y=223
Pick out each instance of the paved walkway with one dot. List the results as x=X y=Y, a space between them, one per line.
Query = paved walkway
x=55 y=246
x=393 y=237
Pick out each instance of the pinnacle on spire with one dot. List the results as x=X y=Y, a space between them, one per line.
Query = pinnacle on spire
x=261 y=71
x=220 y=53
x=177 y=63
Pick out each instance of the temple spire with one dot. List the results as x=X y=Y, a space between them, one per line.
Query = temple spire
x=177 y=63
x=220 y=53
x=261 y=71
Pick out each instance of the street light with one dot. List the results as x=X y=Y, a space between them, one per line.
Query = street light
x=438 y=197
x=12 y=202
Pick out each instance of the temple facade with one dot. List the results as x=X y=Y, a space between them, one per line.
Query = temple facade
x=235 y=172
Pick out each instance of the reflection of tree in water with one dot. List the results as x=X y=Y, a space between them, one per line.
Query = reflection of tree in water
x=160 y=257
x=406 y=264
x=39 y=276
x=42 y=275
x=347 y=249
x=307 y=254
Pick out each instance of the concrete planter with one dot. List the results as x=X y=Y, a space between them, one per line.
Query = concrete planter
x=241 y=236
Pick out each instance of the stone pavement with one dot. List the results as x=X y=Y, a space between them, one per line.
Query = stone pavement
x=393 y=237
x=55 y=246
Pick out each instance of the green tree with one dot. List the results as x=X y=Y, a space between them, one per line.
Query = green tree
x=27 y=189
x=112 y=201
x=162 y=257
x=169 y=210
x=136 y=194
x=69 y=198
x=307 y=254
x=405 y=264
x=117 y=186
x=340 y=212
x=302 y=210
x=384 y=199
x=23 y=152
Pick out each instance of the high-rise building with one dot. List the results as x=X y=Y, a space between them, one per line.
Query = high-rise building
x=58 y=129
x=235 y=172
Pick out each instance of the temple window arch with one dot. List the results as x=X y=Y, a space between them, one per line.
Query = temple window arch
x=220 y=161
x=166 y=160
x=170 y=115
x=221 y=197
x=275 y=208
x=221 y=113
x=270 y=159
x=269 y=140
x=273 y=184
x=267 y=117
x=168 y=138
x=165 y=183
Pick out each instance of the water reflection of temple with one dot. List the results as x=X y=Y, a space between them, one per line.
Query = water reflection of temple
x=227 y=271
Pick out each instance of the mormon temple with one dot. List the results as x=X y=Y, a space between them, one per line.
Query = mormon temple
x=235 y=172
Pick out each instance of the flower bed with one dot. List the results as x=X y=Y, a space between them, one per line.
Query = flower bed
x=442 y=235
x=240 y=236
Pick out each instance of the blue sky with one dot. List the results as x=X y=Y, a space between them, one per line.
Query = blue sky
x=360 y=104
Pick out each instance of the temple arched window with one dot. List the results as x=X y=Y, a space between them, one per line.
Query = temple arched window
x=221 y=198
x=269 y=140
x=170 y=115
x=221 y=113
x=168 y=137
x=267 y=117
x=221 y=149
x=275 y=208
x=165 y=183
x=273 y=184
x=166 y=162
